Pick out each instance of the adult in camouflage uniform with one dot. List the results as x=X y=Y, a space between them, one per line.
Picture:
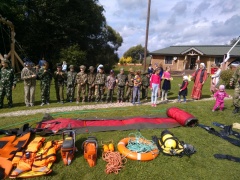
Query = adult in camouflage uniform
x=81 y=81
x=90 y=83
x=100 y=82
x=59 y=81
x=121 y=81
x=45 y=77
x=28 y=75
x=236 y=96
x=7 y=82
x=129 y=91
x=71 y=78
x=145 y=84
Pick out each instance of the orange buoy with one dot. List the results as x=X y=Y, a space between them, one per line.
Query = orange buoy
x=134 y=155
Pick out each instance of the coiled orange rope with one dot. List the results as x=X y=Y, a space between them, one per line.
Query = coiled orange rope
x=115 y=161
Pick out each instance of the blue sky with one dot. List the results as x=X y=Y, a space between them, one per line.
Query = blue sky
x=173 y=22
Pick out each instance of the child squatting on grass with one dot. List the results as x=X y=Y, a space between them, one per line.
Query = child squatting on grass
x=219 y=96
x=183 y=89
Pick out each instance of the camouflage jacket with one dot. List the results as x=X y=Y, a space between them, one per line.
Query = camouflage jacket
x=130 y=79
x=60 y=77
x=100 y=79
x=145 y=80
x=71 y=78
x=81 y=78
x=122 y=79
x=27 y=74
x=91 y=78
x=111 y=82
x=236 y=78
x=45 y=76
x=7 y=77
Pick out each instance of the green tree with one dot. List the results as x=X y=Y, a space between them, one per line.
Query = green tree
x=234 y=40
x=45 y=27
x=136 y=52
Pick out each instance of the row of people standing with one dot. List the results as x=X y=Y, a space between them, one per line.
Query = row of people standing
x=88 y=85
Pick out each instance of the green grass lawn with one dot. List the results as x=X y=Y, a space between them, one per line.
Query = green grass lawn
x=201 y=165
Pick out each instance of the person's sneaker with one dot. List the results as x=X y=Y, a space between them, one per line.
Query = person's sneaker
x=213 y=110
x=48 y=103
x=27 y=105
x=152 y=105
x=77 y=102
x=62 y=102
x=42 y=104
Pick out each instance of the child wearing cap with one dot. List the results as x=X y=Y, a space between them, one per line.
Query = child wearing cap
x=111 y=82
x=183 y=89
x=219 y=96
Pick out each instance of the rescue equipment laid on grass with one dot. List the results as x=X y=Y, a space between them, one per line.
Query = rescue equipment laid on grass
x=227 y=130
x=68 y=148
x=228 y=157
x=115 y=161
x=36 y=160
x=175 y=117
x=10 y=145
x=138 y=148
x=107 y=146
x=211 y=130
x=90 y=147
x=170 y=145
x=5 y=167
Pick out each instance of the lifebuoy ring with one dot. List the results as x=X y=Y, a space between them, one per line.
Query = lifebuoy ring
x=134 y=155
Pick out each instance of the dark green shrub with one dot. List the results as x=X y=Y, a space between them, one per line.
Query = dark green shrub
x=226 y=75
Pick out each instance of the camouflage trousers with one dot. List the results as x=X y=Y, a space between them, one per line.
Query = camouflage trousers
x=59 y=92
x=99 y=92
x=29 y=94
x=144 y=92
x=91 y=90
x=120 y=93
x=81 y=90
x=6 y=91
x=236 y=97
x=70 y=92
x=45 y=92
x=110 y=95
x=129 y=93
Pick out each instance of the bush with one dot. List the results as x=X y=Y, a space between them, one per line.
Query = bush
x=226 y=75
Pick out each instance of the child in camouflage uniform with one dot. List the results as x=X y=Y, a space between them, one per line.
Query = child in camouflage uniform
x=45 y=77
x=71 y=78
x=90 y=83
x=130 y=78
x=7 y=82
x=121 y=81
x=81 y=81
x=111 y=82
x=145 y=84
x=100 y=81
x=59 y=80
x=136 y=87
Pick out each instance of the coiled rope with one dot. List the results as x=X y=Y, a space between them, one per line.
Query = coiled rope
x=115 y=161
x=140 y=144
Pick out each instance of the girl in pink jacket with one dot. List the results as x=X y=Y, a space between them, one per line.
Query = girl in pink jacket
x=220 y=95
x=155 y=82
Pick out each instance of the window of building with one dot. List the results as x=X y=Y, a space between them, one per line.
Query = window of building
x=218 y=60
x=168 y=59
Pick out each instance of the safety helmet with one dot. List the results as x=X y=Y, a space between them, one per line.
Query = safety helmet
x=170 y=143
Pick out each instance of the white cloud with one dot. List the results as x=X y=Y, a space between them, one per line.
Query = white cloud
x=173 y=22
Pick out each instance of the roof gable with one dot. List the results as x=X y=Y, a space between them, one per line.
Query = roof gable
x=192 y=51
x=216 y=50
